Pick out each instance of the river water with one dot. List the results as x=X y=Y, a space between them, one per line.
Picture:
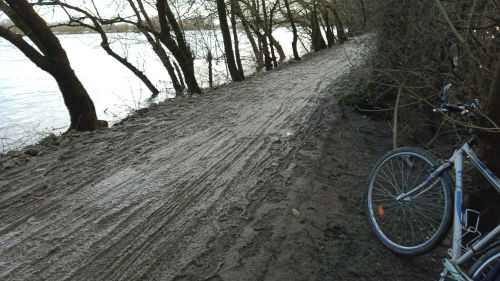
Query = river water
x=32 y=106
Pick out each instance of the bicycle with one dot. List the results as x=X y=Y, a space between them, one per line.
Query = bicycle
x=411 y=200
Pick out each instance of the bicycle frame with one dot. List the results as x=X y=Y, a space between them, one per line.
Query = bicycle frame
x=456 y=252
x=457 y=258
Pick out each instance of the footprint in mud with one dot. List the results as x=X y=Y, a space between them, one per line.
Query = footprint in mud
x=336 y=232
x=141 y=160
x=68 y=154
x=232 y=216
x=276 y=195
x=268 y=219
x=235 y=211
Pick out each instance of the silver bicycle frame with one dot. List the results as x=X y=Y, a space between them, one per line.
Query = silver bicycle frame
x=456 y=252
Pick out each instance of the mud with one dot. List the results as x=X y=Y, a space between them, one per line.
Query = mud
x=259 y=180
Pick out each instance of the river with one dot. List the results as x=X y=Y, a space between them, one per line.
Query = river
x=32 y=105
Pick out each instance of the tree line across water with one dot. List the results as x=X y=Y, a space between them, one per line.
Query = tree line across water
x=163 y=25
x=62 y=28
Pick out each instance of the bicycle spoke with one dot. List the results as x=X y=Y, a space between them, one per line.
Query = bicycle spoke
x=400 y=166
x=425 y=214
x=422 y=226
x=390 y=181
x=412 y=223
x=385 y=189
x=399 y=189
x=410 y=165
x=432 y=208
x=418 y=175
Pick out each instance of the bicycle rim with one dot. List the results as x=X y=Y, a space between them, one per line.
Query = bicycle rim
x=485 y=269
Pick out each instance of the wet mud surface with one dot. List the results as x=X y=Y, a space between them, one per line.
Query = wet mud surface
x=259 y=180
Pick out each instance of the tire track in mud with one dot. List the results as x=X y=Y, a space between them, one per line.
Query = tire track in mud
x=238 y=149
x=155 y=196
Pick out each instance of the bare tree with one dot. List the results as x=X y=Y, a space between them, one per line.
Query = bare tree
x=233 y=69
x=258 y=21
x=143 y=19
x=50 y=56
x=255 y=46
x=311 y=12
x=317 y=39
x=330 y=36
x=265 y=26
x=412 y=47
x=234 y=12
x=97 y=26
x=294 y=30
x=338 y=24
x=176 y=45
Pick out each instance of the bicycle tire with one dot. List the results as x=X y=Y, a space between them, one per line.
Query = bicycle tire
x=485 y=264
x=414 y=225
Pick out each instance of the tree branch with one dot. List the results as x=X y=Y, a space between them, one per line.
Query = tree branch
x=30 y=52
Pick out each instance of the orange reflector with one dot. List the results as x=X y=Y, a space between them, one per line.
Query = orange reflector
x=381 y=211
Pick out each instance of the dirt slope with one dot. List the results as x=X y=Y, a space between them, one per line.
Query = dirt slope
x=259 y=180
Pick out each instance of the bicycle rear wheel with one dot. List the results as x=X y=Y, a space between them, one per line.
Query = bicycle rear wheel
x=487 y=267
x=415 y=224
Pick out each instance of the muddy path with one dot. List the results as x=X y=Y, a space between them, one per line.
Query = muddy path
x=259 y=180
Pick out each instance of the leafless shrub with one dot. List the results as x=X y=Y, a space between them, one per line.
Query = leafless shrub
x=412 y=54
x=412 y=58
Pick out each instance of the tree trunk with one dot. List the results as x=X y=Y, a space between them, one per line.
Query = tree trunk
x=267 y=57
x=187 y=67
x=162 y=55
x=155 y=43
x=294 y=31
x=256 y=46
x=79 y=104
x=210 y=69
x=256 y=51
x=265 y=48
x=177 y=47
x=330 y=37
x=234 y=11
x=340 y=27
x=269 y=33
x=363 y=10
x=276 y=44
x=179 y=74
x=273 y=56
x=52 y=59
x=226 y=35
x=318 y=42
